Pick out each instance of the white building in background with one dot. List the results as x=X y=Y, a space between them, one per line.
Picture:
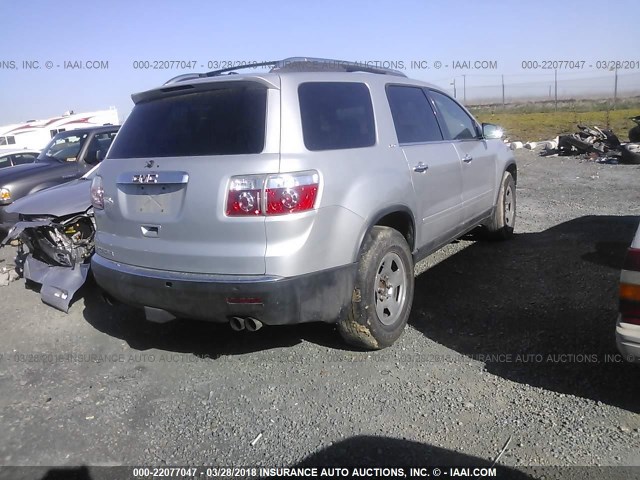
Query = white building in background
x=36 y=134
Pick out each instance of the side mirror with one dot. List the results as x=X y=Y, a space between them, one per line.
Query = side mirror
x=99 y=156
x=491 y=131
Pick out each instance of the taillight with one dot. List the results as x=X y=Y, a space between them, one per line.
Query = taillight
x=292 y=192
x=632 y=260
x=245 y=196
x=630 y=288
x=97 y=193
x=252 y=195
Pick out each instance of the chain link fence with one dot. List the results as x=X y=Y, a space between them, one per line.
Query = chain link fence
x=550 y=88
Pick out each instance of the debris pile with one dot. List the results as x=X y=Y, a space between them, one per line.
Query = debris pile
x=8 y=274
x=593 y=143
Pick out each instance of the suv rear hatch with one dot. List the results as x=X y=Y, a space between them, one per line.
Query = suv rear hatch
x=167 y=175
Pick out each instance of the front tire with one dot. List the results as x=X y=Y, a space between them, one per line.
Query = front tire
x=383 y=291
x=504 y=215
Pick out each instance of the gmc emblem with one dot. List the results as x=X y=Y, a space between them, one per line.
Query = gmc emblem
x=145 y=178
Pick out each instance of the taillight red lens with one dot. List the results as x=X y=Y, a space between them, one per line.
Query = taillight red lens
x=244 y=198
x=282 y=194
x=291 y=193
x=630 y=288
x=632 y=260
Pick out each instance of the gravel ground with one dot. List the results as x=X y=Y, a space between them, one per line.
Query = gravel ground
x=506 y=340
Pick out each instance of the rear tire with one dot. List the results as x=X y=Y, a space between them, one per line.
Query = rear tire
x=630 y=153
x=504 y=215
x=383 y=292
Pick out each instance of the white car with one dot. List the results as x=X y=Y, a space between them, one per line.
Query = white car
x=628 y=325
x=10 y=157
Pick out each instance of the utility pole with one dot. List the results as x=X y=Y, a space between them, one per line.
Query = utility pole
x=454 y=87
x=464 y=88
x=555 y=78
x=503 y=106
x=615 y=88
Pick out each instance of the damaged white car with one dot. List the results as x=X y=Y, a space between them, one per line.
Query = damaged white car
x=55 y=237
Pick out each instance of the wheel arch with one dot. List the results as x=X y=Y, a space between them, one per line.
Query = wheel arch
x=513 y=170
x=398 y=217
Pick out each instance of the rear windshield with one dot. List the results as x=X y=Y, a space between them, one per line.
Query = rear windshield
x=336 y=115
x=228 y=121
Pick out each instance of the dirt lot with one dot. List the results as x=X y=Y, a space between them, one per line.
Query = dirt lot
x=506 y=340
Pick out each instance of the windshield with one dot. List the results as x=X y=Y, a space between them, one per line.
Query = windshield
x=64 y=147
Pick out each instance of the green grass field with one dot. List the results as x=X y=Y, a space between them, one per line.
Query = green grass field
x=540 y=121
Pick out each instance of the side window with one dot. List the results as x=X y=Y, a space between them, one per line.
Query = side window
x=412 y=115
x=336 y=115
x=11 y=140
x=5 y=161
x=100 y=142
x=22 y=158
x=458 y=124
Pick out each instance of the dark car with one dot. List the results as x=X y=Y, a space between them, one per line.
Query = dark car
x=56 y=232
x=13 y=157
x=68 y=156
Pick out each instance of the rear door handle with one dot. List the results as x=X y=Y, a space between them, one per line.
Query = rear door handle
x=421 y=167
x=467 y=158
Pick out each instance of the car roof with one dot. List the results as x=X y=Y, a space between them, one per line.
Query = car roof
x=302 y=69
x=100 y=128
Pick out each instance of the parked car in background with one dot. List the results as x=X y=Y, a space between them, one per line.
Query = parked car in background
x=302 y=194
x=56 y=232
x=12 y=157
x=628 y=324
x=69 y=155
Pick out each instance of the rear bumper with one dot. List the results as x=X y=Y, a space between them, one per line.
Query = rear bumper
x=322 y=296
x=628 y=340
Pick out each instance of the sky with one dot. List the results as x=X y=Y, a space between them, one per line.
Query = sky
x=212 y=33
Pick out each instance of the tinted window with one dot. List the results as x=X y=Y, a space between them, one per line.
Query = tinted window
x=22 y=158
x=11 y=140
x=226 y=121
x=336 y=115
x=412 y=114
x=99 y=142
x=5 y=161
x=458 y=124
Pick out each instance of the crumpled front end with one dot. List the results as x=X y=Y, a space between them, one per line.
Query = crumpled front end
x=56 y=253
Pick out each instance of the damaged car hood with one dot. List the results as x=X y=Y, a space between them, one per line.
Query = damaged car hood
x=61 y=200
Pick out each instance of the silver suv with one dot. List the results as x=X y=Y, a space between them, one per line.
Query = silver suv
x=305 y=194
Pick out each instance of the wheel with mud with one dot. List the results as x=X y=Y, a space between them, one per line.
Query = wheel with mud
x=504 y=215
x=383 y=291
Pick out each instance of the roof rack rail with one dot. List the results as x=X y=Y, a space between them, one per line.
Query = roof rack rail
x=294 y=64
x=311 y=64
x=183 y=77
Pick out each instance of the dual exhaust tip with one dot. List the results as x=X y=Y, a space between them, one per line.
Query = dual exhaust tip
x=250 y=323
x=237 y=323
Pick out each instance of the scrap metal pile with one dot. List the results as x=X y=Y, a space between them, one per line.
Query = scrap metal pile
x=597 y=144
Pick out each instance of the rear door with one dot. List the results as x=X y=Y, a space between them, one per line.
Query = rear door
x=167 y=175
x=433 y=162
x=478 y=160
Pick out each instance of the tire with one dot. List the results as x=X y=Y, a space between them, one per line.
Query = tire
x=380 y=305
x=504 y=215
x=630 y=153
